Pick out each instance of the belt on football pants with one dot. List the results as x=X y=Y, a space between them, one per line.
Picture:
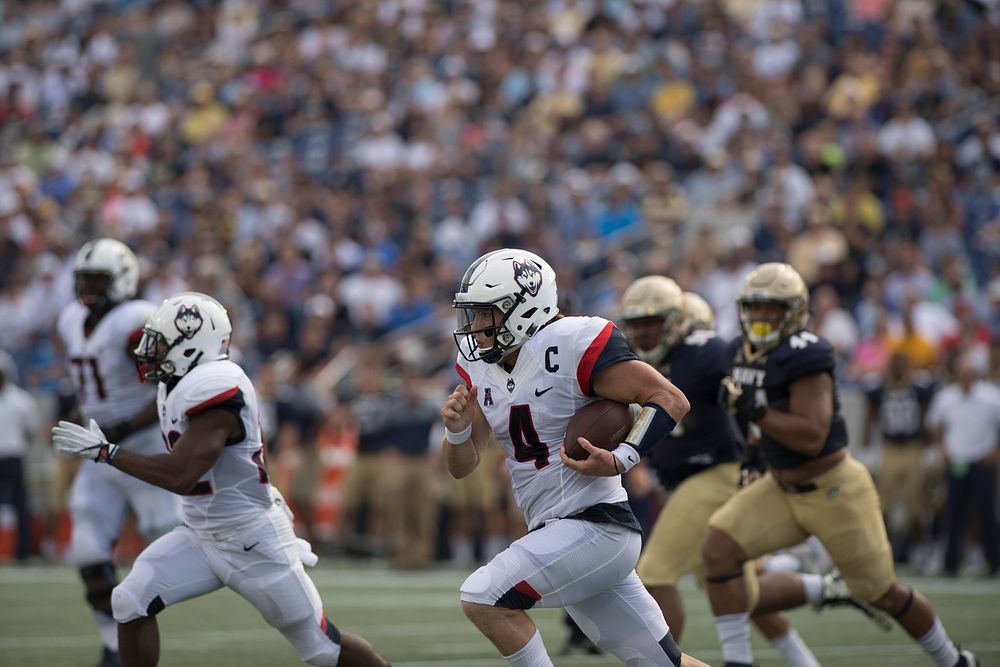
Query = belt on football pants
x=805 y=487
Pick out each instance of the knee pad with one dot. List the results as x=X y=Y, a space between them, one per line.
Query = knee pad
x=99 y=580
x=317 y=644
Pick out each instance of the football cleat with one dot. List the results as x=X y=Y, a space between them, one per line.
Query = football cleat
x=966 y=658
x=836 y=594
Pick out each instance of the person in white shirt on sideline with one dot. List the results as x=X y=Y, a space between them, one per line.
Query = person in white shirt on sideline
x=964 y=419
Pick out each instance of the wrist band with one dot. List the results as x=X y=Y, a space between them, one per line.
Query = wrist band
x=627 y=455
x=459 y=437
x=107 y=453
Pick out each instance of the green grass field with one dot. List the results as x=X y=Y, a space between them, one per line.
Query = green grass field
x=415 y=621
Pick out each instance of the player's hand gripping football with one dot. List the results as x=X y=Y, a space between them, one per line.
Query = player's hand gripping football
x=87 y=443
x=600 y=463
x=457 y=410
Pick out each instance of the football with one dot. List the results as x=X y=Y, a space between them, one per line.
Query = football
x=604 y=423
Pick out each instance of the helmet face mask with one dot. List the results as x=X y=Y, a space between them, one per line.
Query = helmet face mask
x=505 y=297
x=106 y=273
x=186 y=329
x=780 y=285
x=652 y=310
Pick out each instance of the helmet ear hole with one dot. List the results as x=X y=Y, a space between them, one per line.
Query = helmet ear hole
x=188 y=352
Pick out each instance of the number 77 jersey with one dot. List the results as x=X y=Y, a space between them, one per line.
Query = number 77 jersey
x=100 y=363
x=530 y=407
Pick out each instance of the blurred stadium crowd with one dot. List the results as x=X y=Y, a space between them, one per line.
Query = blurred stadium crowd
x=327 y=169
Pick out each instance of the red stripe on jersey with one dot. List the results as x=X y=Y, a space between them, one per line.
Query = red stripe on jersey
x=525 y=587
x=590 y=357
x=465 y=376
x=212 y=402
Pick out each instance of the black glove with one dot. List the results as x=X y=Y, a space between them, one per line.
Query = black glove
x=741 y=402
x=752 y=466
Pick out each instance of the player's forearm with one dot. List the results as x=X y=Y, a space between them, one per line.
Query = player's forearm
x=163 y=470
x=461 y=459
x=806 y=436
x=673 y=401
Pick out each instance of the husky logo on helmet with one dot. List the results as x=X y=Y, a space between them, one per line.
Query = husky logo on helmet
x=527 y=276
x=188 y=320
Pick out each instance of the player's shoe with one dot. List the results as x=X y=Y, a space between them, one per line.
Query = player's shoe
x=836 y=594
x=966 y=658
x=109 y=658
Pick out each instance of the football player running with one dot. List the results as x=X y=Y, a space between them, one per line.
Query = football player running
x=97 y=334
x=673 y=331
x=237 y=531
x=527 y=370
x=783 y=384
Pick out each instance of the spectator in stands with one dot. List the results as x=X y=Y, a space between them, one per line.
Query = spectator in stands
x=964 y=418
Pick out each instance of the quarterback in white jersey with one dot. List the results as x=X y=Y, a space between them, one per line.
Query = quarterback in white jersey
x=237 y=531
x=526 y=371
x=98 y=333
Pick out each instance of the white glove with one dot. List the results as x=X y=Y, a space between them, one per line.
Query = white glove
x=73 y=439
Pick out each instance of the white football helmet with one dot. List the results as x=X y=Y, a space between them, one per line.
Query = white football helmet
x=517 y=283
x=778 y=283
x=106 y=273
x=657 y=299
x=187 y=329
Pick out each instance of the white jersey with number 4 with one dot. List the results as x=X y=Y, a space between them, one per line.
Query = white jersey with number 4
x=236 y=487
x=100 y=362
x=530 y=407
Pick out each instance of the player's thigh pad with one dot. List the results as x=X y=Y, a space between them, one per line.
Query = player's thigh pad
x=561 y=563
x=264 y=567
x=759 y=519
x=845 y=514
x=270 y=576
x=157 y=510
x=174 y=568
x=97 y=506
x=625 y=621
x=673 y=547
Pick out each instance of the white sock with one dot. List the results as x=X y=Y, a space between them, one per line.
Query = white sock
x=734 y=637
x=937 y=645
x=531 y=654
x=813 y=583
x=783 y=563
x=824 y=561
x=108 y=629
x=794 y=650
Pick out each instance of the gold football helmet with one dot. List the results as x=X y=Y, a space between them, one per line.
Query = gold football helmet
x=645 y=300
x=778 y=283
x=698 y=314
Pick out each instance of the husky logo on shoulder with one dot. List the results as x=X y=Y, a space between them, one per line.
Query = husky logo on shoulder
x=527 y=276
x=188 y=321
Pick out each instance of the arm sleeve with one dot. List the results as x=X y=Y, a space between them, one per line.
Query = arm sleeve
x=605 y=348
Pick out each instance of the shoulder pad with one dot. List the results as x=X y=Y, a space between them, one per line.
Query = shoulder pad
x=801 y=354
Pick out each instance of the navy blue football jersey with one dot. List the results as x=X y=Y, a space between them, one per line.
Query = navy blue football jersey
x=705 y=437
x=797 y=356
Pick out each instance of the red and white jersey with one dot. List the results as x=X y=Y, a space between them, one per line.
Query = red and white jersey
x=237 y=486
x=530 y=407
x=101 y=365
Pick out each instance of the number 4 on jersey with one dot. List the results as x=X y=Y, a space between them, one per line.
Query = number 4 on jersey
x=527 y=446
